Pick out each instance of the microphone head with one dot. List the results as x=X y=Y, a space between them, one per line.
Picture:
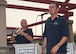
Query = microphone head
x=47 y=12
x=43 y=14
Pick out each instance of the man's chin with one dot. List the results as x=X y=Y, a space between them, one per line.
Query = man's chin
x=51 y=13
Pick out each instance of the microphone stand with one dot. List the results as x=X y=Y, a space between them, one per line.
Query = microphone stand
x=42 y=23
x=42 y=20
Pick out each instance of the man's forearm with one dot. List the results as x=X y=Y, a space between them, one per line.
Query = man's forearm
x=63 y=40
x=28 y=37
x=44 y=44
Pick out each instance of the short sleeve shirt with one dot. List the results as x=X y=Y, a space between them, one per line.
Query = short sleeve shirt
x=54 y=31
x=21 y=39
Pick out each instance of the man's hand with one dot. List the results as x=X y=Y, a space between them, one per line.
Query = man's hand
x=21 y=33
x=55 y=49
x=43 y=52
x=12 y=38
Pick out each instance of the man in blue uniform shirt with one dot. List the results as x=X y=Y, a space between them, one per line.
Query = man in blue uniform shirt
x=24 y=35
x=56 y=32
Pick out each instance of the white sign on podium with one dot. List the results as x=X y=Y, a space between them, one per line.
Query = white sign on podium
x=32 y=48
x=70 y=48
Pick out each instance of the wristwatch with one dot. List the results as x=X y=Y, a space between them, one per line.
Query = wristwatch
x=59 y=44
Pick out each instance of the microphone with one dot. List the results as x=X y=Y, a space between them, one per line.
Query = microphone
x=43 y=14
x=18 y=30
x=15 y=33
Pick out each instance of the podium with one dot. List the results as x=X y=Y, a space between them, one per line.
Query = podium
x=35 y=48
x=71 y=48
x=30 y=48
